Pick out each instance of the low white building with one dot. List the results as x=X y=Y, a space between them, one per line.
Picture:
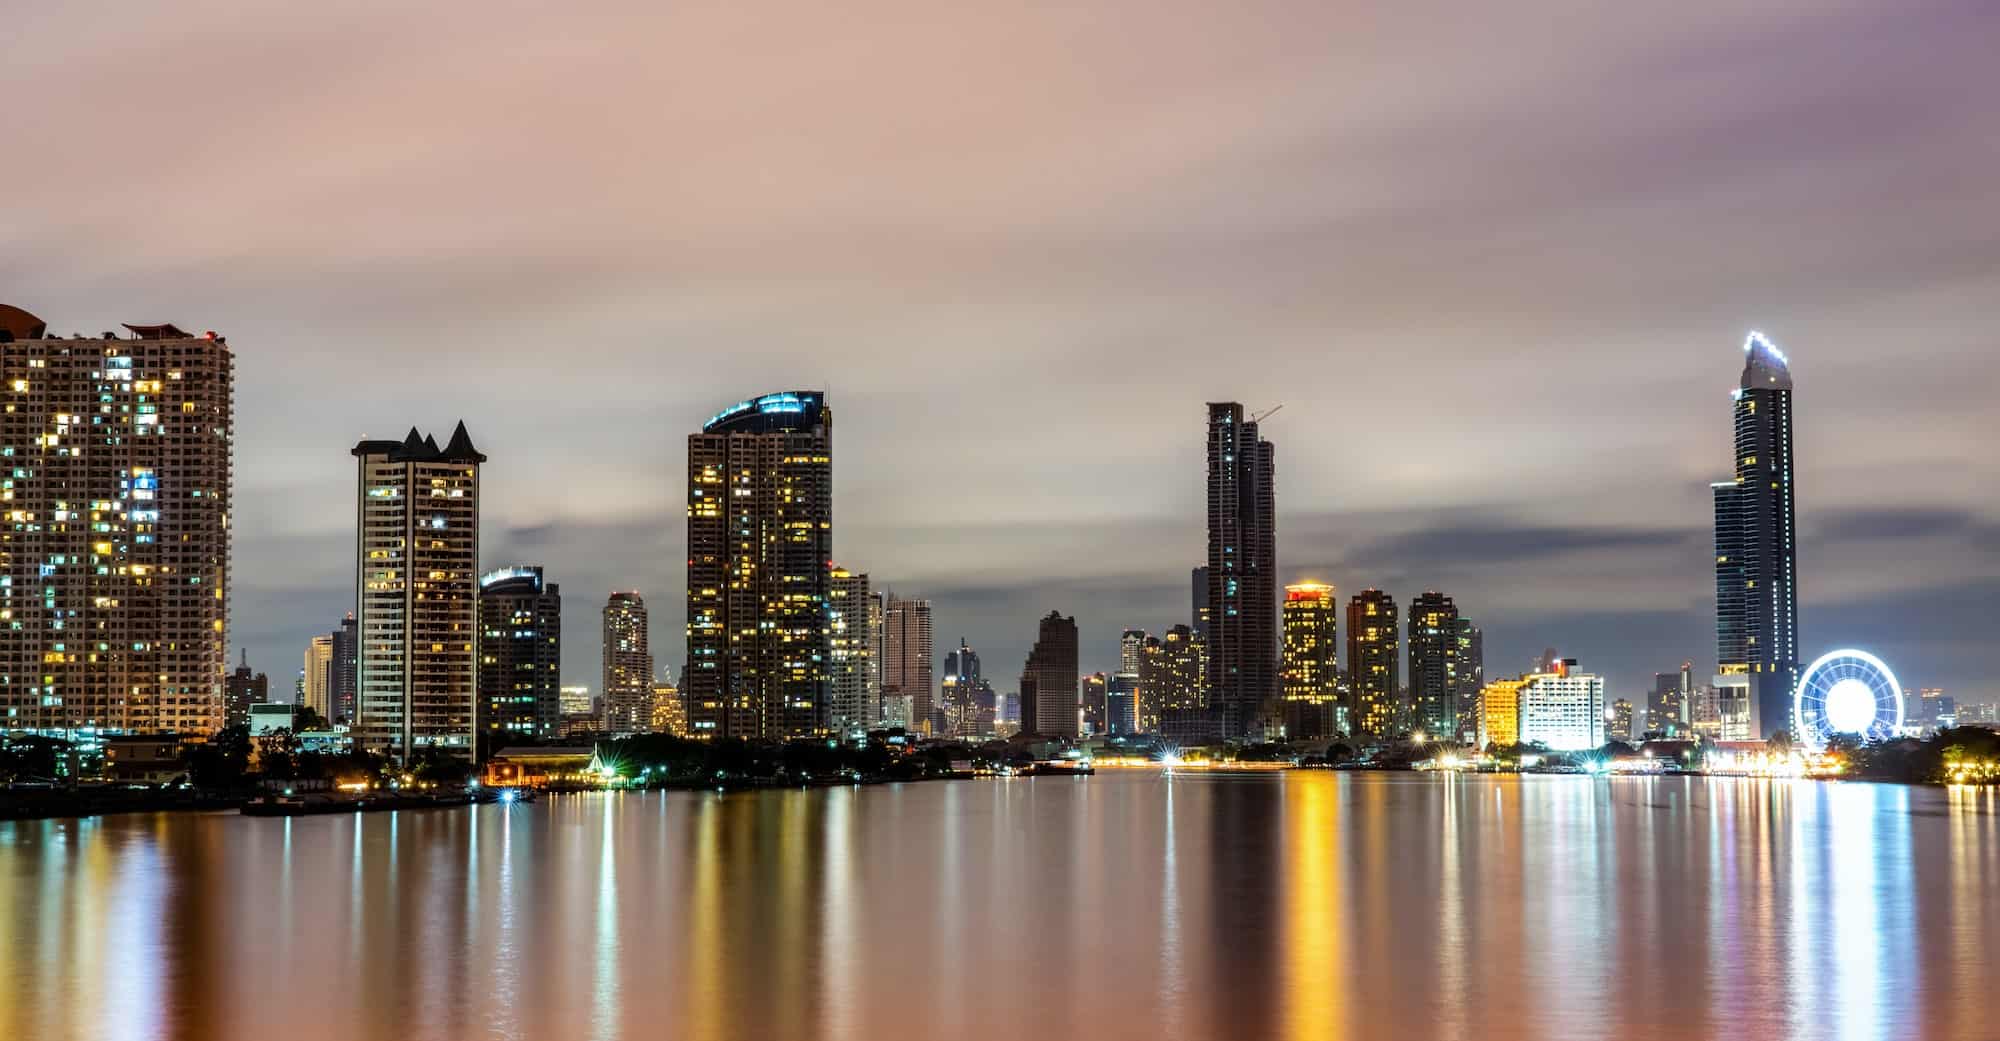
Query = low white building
x=1563 y=709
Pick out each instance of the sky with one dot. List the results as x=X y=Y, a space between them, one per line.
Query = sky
x=1495 y=261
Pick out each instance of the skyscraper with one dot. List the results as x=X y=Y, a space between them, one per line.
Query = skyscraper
x=520 y=653
x=907 y=674
x=1092 y=691
x=968 y=698
x=1121 y=697
x=1049 y=680
x=416 y=596
x=760 y=536
x=1434 y=664
x=1756 y=575
x=851 y=651
x=1310 y=663
x=1199 y=605
x=1131 y=650
x=628 y=665
x=1242 y=571
x=1172 y=676
x=244 y=689
x=115 y=566
x=316 y=677
x=346 y=669
x=1470 y=678
x=1372 y=643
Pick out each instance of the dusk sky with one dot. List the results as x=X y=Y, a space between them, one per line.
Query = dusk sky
x=1495 y=261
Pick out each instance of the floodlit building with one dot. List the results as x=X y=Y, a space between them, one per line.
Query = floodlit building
x=760 y=536
x=1564 y=709
x=669 y=714
x=115 y=502
x=1309 y=668
x=1500 y=713
x=316 y=676
x=417 y=594
x=1372 y=646
x=1756 y=567
x=628 y=665
x=520 y=653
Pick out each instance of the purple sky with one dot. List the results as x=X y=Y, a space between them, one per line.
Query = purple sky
x=1495 y=260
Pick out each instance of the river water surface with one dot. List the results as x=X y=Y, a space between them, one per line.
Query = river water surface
x=1127 y=905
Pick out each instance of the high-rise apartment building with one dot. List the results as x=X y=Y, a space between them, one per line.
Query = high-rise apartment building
x=1242 y=572
x=907 y=674
x=242 y=690
x=1092 y=690
x=115 y=492
x=1372 y=645
x=346 y=669
x=1469 y=678
x=417 y=593
x=1049 y=680
x=1434 y=664
x=967 y=698
x=850 y=647
x=1756 y=572
x=1131 y=650
x=760 y=539
x=520 y=653
x=628 y=665
x=878 y=655
x=1173 y=675
x=1310 y=664
x=316 y=676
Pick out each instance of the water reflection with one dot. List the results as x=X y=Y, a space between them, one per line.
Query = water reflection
x=1129 y=905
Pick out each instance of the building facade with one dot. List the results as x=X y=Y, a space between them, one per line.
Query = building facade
x=1373 y=646
x=760 y=536
x=1433 y=650
x=851 y=652
x=1049 y=680
x=1756 y=566
x=520 y=653
x=628 y=665
x=316 y=676
x=417 y=594
x=114 y=556
x=907 y=671
x=1310 y=665
x=346 y=669
x=1172 y=676
x=1242 y=574
x=1469 y=679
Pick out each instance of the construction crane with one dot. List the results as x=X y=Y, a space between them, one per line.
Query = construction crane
x=1266 y=414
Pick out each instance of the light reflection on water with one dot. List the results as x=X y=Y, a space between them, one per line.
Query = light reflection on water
x=1309 y=906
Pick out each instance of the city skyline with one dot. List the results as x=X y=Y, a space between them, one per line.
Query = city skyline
x=1477 y=337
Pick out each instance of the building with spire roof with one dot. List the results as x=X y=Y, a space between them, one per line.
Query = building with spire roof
x=417 y=594
x=1756 y=563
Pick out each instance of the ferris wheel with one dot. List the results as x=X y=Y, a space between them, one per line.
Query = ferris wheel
x=1847 y=692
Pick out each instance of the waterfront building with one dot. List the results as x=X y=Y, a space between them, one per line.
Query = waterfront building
x=669 y=714
x=1621 y=721
x=850 y=646
x=1242 y=572
x=1468 y=678
x=316 y=676
x=244 y=689
x=1756 y=573
x=906 y=672
x=520 y=653
x=1372 y=646
x=1309 y=667
x=967 y=699
x=1500 y=713
x=416 y=609
x=1049 y=680
x=760 y=535
x=1725 y=709
x=1670 y=709
x=1563 y=709
x=628 y=665
x=1121 y=696
x=1172 y=673
x=1433 y=635
x=346 y=670
x=1092 y=691
x=115 y=507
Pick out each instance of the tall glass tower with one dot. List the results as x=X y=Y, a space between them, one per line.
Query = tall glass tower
x=1242 y=594
x=1756 y=570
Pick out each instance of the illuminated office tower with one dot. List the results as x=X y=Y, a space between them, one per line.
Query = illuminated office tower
x=1756 y=574
x=760 y=536
x=1372 y=646
x=316 y=677
x=1242 y=572
x=907 y=674
x=1563 y=709
x=628 y=665
x=1309 y=667
x=520 y=653
x=114 y=556
x=417 y=594
x=1434 y=664
x=1469 y=678
x=1172 y=674
x=851 y=652
x=1049 y=680
x=242 y=690
x=346 y=669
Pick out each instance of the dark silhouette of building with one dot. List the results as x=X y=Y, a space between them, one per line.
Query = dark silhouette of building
x=242 y=690
x=1372 y=640
x=1200 y=601
x=346 y=669
x=1756 y=574
x=1048 y=682
x=1434 y=664
x=520 y=653
x=760 y=546
x=1470 y=678
x=1242 y=572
